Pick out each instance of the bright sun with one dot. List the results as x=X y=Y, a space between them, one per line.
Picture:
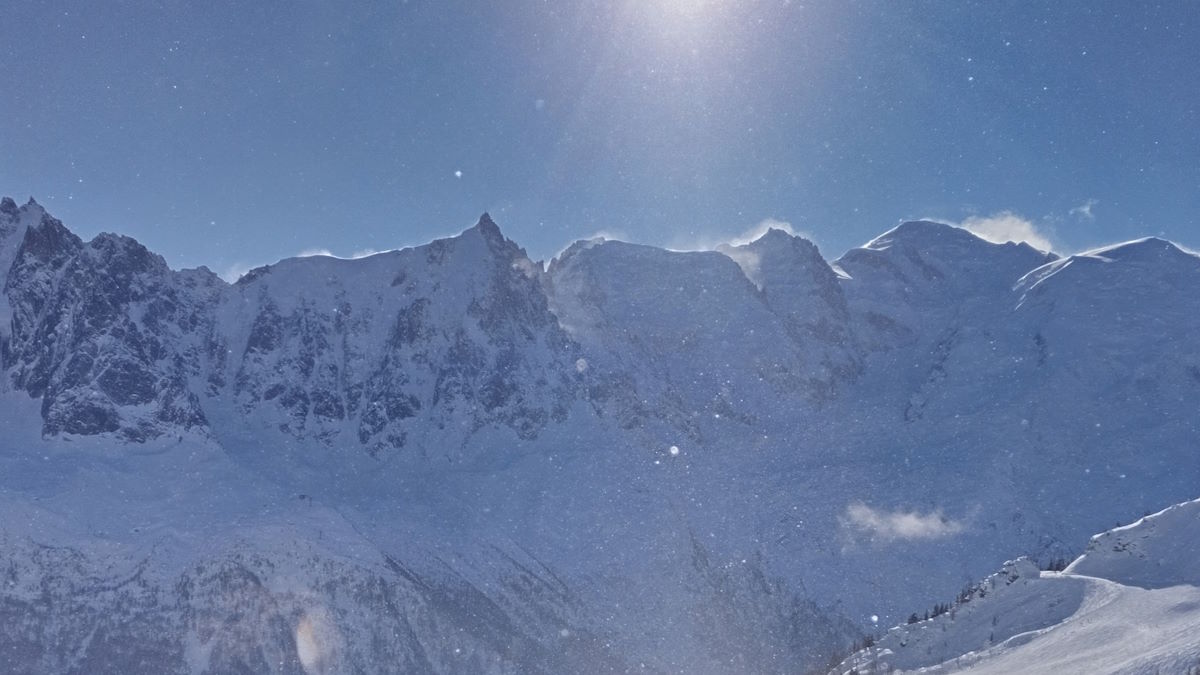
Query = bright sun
x=688 y=9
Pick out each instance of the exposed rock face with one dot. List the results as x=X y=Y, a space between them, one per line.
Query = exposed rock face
x=436 y=341
x=101 y=331
x=456 y=333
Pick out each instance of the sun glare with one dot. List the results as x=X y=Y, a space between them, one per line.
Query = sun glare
x=674 y=15
x=688 y=9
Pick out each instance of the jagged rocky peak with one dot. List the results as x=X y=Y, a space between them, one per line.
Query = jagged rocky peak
x=98 y=333
x=9 y=205
x=482 y=243
x=201 y=276
x=124 y=255
x=779 y=260
x=29 y=213
x=802 y=288
x=488 y=227
x=47 y=238
x=499 y=246
x=384 y=351
x=776 y=254
x=8 y=208
x=15 y=223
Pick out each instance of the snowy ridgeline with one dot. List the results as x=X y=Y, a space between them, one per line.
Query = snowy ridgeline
x=1130 y=604
x=721 y=461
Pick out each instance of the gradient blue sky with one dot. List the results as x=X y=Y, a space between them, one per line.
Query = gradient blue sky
x=236 y=133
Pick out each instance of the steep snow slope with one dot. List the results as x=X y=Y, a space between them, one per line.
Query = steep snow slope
x=1131 y=604
x=1158 y=551
x=686 y=339
x=921 y=278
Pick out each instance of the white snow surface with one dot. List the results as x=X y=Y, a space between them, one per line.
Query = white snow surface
x=1130 y=605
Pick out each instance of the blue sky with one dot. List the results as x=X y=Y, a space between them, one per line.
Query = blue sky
x=232 y=134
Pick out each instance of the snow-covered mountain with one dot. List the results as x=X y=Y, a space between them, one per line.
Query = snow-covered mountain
x=628 y=457
x=1129 y=604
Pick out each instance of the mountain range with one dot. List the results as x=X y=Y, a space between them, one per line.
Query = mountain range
x=452 y=458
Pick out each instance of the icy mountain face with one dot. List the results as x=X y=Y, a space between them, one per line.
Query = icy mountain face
x=414 y=348
x=1130 y=604
x=1093 y=303
x=1013 y=413
x=925 y=278
x=688 y=339
x=806 y=294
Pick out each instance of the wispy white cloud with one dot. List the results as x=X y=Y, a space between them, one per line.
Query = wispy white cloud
x=746 y=259
x=597 y=236
x=527 y=267
x=1084 y=210
x=608 y=235
x=886 y=526
x=713 y=243
x=1008 y=226
x=235 y=271
x=761 y=228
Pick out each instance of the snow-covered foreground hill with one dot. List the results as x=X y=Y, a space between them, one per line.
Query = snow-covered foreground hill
x=626 y=458
x=1130 y=604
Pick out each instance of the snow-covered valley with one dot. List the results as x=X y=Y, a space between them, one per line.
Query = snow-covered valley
x=451 y=458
